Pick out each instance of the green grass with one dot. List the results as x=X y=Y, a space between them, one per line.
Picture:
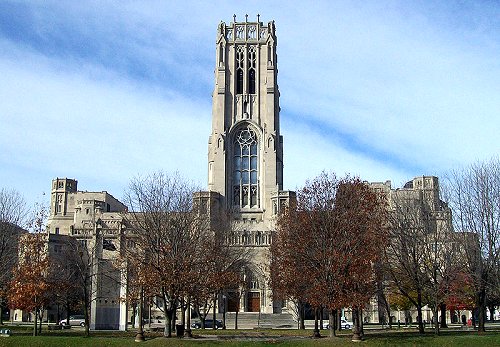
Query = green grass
x=285 y=338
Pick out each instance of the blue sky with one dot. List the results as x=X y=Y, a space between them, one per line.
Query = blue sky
x=102 y=91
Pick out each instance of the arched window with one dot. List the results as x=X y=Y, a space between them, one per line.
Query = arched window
x=251 y=81
x=245 y=168
x=239 y=81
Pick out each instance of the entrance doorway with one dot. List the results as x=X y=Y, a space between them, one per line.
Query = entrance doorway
x=253 y=303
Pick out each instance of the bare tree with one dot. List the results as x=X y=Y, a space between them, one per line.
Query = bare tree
x=220 y=262
x=440 y=266
x=474 y=196
x=83 y=260
x=13 y=215
x=64 y=280
x=405 y=256
x=168 y=231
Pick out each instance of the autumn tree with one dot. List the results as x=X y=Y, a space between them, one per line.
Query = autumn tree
x=168 y=231
x=287 y=278
x=28 y=288
x=474 y=196
x=330 y=241
x=13 y=215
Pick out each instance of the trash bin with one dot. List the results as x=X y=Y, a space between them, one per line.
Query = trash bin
x=179 y=330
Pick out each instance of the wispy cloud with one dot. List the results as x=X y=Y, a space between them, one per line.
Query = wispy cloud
x=102 y=91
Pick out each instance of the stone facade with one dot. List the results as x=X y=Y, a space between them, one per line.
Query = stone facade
x=245 y=148
x=96 y=221
x=420 y=195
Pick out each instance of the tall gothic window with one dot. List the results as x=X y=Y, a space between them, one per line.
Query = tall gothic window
x=239 y=81
x=251 y=63
x=245 y=168
x=251 y=81
x=240 y=62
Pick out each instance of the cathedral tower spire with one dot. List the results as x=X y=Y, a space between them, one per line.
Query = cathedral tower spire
x=245 y=147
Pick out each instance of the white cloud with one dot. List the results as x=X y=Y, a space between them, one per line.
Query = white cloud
x=106 y=129
x=101 y=91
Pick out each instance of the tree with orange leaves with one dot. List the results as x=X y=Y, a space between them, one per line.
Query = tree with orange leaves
x=29 y=285
x=330 y=241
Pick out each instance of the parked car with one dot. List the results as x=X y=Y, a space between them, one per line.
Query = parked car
x=76 y=320
x=209 y=323
x=344 y=324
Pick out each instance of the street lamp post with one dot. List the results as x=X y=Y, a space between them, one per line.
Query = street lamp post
x=188 y=320
x=224 y=298
x=140 y=333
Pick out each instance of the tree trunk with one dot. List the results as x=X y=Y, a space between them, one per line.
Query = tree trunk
x=188 y=320
x=356 y=329
x=481 y=310
x=436 y=320
x=35 y=327
x=67 y=312
x=419 y=313
x=338 y=320
x=316 y=329
x=361 y=324
x=214 y=315
x=149 y=313
x=173 y=321
x=86 y=299
x=167 y=331
x=443 y=315
x=1 y=310
x=332 y=318
x=301 y=316
x=132 y=318
x=40 y=315
x=183 y=312
x=321 y=318
x=492 y=312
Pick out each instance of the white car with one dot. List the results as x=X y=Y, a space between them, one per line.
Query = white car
x=344 y=324
x=77 y=320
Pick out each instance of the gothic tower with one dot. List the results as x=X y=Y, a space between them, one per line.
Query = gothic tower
x=245 y=148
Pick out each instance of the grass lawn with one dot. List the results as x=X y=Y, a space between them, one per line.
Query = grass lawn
x=74 y=337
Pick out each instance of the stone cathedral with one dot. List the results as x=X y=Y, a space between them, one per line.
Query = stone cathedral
x=245 y=147
x=245 y=176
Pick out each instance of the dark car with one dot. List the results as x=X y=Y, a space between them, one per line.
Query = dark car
x=209 y=324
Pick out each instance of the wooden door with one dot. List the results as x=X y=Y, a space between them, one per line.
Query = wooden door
x=253 y=304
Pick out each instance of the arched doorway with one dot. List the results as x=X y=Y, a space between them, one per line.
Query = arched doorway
x=253 y=295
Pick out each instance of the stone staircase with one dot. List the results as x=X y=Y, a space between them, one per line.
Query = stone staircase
x=255 y=320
